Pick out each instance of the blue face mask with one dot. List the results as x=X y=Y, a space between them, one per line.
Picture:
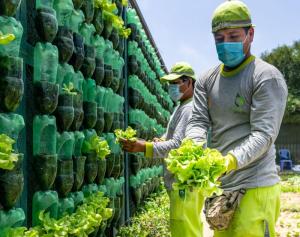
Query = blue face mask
x=174 y=92
x=231 y=53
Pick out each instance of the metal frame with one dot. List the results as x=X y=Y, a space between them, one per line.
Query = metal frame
x=126 y=111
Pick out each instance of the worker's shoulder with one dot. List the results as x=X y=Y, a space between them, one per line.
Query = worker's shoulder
x=186 y=108
x=265 y=71
x=208 y=77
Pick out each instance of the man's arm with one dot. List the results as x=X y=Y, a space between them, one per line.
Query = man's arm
x=267 y=110
x=160 y=139
x=162 y=148
x=199 y=122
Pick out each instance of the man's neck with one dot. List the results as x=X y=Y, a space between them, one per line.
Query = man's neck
x=228 y=69
x=186 y=99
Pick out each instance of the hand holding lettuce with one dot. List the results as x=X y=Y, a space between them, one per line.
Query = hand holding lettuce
x=129 y=142
x=196 y=167
x=129 y=134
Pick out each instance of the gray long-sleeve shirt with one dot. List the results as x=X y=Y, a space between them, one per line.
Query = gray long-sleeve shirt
x=245 y=111
x=173 y=137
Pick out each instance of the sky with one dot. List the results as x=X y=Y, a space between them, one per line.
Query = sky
x=182 y=28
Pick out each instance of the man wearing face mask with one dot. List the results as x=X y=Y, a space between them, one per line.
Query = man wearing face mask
x=185 y=208
x=243 y=100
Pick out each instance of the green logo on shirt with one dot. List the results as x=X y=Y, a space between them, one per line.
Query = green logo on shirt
x=239 y=103
x=239 y=100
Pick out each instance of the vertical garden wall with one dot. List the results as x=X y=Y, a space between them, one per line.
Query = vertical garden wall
x=11 y=118
x=71 y=72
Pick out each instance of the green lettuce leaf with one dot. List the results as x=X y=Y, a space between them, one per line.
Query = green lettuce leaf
x=128 y=134
x=7 y=157
x=196 y=167
x=98 y=145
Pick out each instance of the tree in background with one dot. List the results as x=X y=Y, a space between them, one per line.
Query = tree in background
x=287 y=60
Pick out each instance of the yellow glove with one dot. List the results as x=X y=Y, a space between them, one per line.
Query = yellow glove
x=231 y=162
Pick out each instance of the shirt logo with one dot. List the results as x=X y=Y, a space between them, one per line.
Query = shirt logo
x=239 y=103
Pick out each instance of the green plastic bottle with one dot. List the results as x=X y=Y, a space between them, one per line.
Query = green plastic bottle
x=76 y=20
x=87 y=31
x=43 y=3
x=78 y=81
x=65 y=145
x=77 y=197
x=44 y=201
x=89 y=189
x=45 y=62
x=78 y=140
x=11 y=218
x=64 y=11
x=89 y=90
x=11 y=125
x=99 y=43
x=9 y=25
x=44 y=135
x=65 y=206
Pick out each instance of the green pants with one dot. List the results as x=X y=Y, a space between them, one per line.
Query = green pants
x=185 y=214
x=258 y=207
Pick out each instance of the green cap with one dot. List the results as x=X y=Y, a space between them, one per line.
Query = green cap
x=178 y=70
x=231 y=14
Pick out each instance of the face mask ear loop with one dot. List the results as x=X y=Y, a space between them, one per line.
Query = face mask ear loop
x=183 y=83
x=245 y=38
x=244 y=43
x=189 y=84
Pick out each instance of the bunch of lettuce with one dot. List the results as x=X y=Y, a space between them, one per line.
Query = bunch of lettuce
x=69 y=89
x=98 y=145
x=109 y=13
x=196 y=167
x=87 y=218
x=105 y=5
x=8 y=158
x=128 y=134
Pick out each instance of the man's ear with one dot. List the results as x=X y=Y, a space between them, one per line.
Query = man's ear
x=191 y=82
x=251 y=34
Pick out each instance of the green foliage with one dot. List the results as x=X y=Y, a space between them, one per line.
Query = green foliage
x=194 y=166
x=292 y=113
x=69 y=89
x=290 y=183
x=293 y=106
x=124 y=32
x=105 y=5
x=7 y=157
x=23 y=232
x=287 y=60
x=145 y=174
x=109 y=10
x=87 y=218
x=98 y=145
x=152 y=220
x=128 y=134
x=125 y=3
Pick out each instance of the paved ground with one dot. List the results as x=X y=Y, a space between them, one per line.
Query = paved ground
x=288 y=224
